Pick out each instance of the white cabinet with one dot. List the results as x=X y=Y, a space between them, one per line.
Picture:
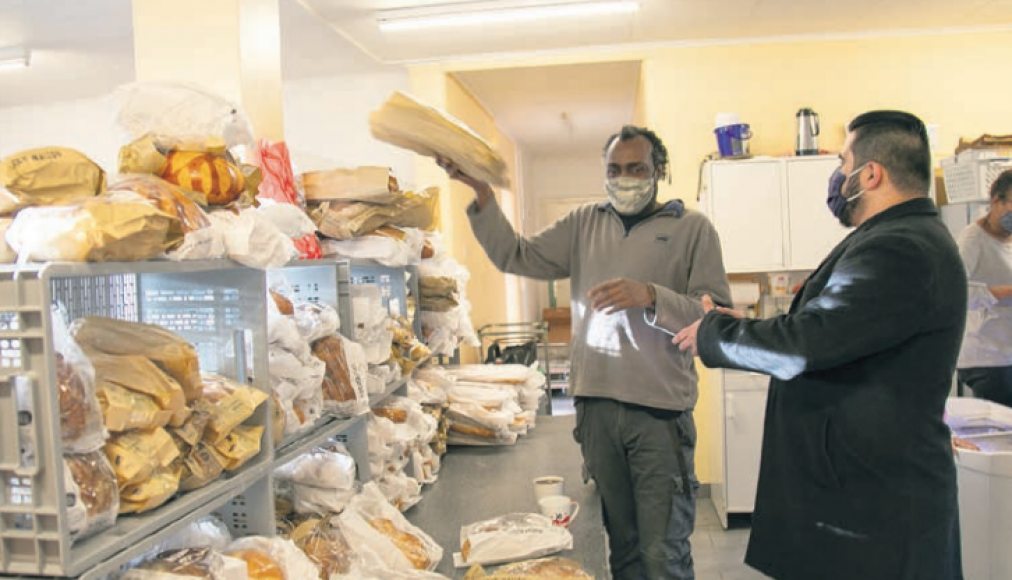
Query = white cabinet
x=771 y=213
x=741 y=412
x=748 y=222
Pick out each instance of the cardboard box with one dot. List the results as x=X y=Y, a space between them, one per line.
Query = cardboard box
x=559 y=324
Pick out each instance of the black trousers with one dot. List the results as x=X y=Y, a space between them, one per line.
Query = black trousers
x=991 y=383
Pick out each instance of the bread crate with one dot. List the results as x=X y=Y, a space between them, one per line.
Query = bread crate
x=969 y=175
x=216 y=305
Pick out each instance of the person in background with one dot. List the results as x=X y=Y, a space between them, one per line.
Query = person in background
x=985 y=362
x=633 y=262
x=857 y=478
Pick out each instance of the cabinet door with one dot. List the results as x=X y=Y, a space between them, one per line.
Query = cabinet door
x=744 y=412
x=745 y=207
x=812 y=229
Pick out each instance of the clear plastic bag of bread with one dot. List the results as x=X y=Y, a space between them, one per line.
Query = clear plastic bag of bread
x=188 y=563
x=92 y=493
x=343 y=396
x=511 y=537
x=316 y=321
x=323 y=540
x=294 y=563
x=540 y=569
x=259 y=564
x=322 y=481
x=169 y=351
x=81 y=423
x=170 y=198
x=115 y=227
x=372 y=521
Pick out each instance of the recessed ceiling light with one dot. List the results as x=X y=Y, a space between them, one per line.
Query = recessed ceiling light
x=474 y=14
x=14 y=57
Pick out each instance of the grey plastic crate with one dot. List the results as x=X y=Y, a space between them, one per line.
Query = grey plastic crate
x=326 y=281
x=392 y=283
x=217 y=305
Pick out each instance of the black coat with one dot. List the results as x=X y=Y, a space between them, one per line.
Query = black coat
x=857 y=479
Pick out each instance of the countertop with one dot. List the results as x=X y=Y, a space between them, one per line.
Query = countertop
x=479 y=483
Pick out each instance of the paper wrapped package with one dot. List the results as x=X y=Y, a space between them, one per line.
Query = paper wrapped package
x=115 y=228
x=169 y=351
x=343 y=221
x=407 y=123
x=368 y=184
x=510 y=538
x=48 y=176
x=541 y=568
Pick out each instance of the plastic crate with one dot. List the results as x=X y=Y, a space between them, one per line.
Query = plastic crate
x=217 y=305
x=968 y=178
x=391 y=281
x=321 y=281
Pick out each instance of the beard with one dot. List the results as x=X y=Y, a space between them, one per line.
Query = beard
x=852 y=189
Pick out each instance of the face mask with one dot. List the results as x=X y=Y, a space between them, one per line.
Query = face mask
x=1006 y=222
x=629 y=195
x=837 y=201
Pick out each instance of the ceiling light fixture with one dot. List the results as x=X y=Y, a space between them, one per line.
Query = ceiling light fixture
x=14 y=57
x=476 y=14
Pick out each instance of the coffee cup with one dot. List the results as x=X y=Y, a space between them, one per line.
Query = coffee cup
x=547 y=485
x=560 y=509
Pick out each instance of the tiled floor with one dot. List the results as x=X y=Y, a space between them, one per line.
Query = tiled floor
x=719 y=554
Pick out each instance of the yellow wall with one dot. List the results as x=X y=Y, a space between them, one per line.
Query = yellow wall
x=957 y=81
x=487 y=288
x=951 y=80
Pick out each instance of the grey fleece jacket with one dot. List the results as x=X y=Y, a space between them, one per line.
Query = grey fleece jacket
x=623 y=356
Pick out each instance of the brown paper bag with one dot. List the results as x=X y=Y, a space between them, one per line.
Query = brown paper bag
x=369 y=184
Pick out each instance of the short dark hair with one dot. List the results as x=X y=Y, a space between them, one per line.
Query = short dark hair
x=1002 y=185
x=658 y=152
x=899 y=142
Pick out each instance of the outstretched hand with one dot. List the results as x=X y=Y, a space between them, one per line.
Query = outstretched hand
x=685 y=340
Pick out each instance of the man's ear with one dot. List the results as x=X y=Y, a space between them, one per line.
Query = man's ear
x=876 y=176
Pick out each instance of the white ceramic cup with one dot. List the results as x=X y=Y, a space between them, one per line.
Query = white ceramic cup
x=547 y=485
x=560 y=508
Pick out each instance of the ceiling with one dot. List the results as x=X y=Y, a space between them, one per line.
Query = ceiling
x=571 y=108
x=83 y=48
x=656 y=21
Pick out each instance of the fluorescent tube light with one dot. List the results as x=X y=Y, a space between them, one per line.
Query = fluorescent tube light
x=14 y=57
x=403 y=21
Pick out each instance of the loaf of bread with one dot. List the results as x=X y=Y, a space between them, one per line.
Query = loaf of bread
x=325 y=545
x=259 y=565
x=80 y=415
x=408 y=544
x=284 y=305
x=337 y=380
x=483 y=432
x=93 y=487
x=541 y=569
x=394 y=414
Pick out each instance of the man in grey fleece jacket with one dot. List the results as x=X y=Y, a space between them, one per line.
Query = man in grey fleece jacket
x=635 y=266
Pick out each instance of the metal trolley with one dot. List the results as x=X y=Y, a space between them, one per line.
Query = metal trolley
x=520 y=335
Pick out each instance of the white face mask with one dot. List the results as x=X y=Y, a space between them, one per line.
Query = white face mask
x=629 y=195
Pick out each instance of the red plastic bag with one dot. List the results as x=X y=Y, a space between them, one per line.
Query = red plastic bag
x=278 y=184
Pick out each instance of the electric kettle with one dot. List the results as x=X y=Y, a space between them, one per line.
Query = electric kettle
x=808 y=132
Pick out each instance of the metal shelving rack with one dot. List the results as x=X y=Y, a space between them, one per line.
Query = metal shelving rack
x=518 y=333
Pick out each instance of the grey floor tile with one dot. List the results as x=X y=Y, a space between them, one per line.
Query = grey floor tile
x=735 y=538
x=745 y=573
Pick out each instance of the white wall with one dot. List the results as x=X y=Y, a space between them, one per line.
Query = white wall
x=327 y=123
x=87 y=125
x=552 y=185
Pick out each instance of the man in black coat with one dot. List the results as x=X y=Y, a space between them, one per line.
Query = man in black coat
x=857 y=479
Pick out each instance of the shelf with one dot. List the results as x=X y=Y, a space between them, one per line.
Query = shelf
x=391 y=389
x=74 y=269
x=330 y=427
x=139 y=533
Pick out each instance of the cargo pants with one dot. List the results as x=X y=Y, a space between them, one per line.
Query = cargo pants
x=642 y=462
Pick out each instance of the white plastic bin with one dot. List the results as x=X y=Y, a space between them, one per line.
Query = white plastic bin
x=985 y=486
